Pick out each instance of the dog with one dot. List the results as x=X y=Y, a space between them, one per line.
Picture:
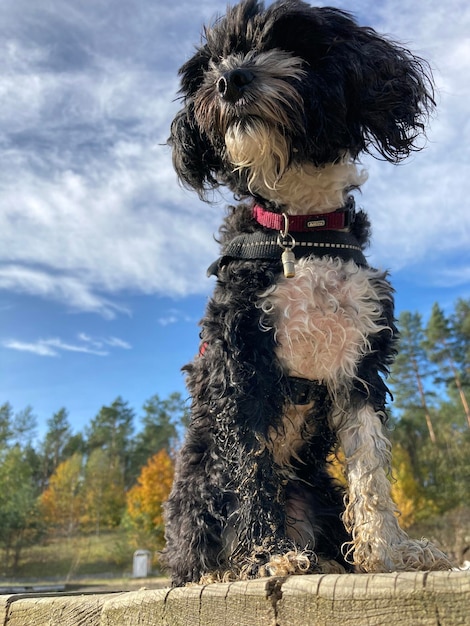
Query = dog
x=278 y=104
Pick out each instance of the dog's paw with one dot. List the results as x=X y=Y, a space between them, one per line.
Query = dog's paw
x=406 y=555
x=290 y=563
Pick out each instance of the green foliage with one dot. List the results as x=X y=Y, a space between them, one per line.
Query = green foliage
x=162 y=424
x=429 y=384
x=103 y=491
x=445 y=347
x=19 y=519
x=112 y=430
x=409 y=374
x=54 y=446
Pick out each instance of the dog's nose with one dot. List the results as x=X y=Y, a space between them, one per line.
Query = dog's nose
x=232 y=84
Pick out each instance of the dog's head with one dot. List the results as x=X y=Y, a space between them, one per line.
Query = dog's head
x=290 y=85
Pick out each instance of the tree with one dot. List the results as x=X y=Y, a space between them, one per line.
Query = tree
x=54 y=445
x=162 y=423
x=19 y=522
x=76 y=444
x=407 y=493
x=145 y=500
x=6 y=424
x=410 y=370
x=441 y=348
x=103 y=492
x=16 y=428
x=61 y=504
x=111 y=430
x=24 y=426
x=460 y=321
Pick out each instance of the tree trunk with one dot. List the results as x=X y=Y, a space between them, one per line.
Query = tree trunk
x=424 y=404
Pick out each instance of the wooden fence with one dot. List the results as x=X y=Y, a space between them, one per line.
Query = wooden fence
x=408 y=599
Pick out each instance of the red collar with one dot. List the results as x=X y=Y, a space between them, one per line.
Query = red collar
x=336 y=220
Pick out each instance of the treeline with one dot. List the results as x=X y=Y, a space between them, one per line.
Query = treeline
x=116 y=474
x=431 y=425
x=109 y=476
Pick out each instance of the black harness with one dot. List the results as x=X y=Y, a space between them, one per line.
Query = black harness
x=308 y=241
x=265 y=246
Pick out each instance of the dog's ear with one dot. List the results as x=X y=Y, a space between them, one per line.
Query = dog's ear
x=366 y=89
x=394 y=95
x=193 y=156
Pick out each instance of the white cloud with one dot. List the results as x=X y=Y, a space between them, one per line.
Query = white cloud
x=55 y=346
x=419 y=209
x=115 y=342
x=50 y=347
x=90 y=204
x=76 y=294
x=174 y=316
x=38 y=347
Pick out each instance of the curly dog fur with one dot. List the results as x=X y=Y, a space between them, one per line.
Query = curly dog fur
x=278 y=105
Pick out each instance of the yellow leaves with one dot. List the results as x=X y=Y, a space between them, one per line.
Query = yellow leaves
x=145 y=500
x=103 y=488
x=406 y=490
x=89 y=496
x=61 y=503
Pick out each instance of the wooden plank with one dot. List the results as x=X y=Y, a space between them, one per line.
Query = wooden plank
x=144 y=607
x=224 y=604
x=77 y=610
x=407 y=598
x=238 y=604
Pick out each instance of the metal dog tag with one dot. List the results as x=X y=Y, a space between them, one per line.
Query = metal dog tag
x=287 y=243
x=288 y=263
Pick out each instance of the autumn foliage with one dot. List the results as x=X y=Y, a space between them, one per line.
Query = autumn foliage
x=145 y=500
x=61 y=503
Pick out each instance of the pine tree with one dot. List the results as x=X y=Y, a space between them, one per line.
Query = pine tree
x=410 y=370
x=24 y=426
x=441 y=346
x=6 y=425
x=55 y=442
x=460 y=321
x=162 y=424
x=112 y=430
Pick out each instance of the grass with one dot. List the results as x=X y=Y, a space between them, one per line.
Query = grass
x=65 y=559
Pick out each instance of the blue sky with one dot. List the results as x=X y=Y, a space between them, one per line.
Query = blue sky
x=103 y=255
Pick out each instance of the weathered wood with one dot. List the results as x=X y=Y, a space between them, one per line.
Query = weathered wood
x=408 y=599
x=228 y=604
x=63 y=610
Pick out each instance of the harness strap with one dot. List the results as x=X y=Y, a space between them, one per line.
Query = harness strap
x=265 y=246
x=303 y=391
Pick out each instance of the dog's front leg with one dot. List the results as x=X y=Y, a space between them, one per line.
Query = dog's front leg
x=194 y=512
x=378 y=543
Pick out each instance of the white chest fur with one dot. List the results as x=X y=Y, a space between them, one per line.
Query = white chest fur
x=324 y=318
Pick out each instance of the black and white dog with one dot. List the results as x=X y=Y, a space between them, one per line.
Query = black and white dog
x=278 y=104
